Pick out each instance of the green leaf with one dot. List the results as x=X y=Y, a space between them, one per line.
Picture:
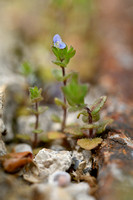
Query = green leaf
x=59 y=63
x=35 y=94
x=23 y=136
x=85 y=119
x=38 y=131
x=96 y=117
x=53 y=135
x=58 y=75
x=71 y=52
x=26 y=69
x=55 y=118
x=75 y=92
x=84 y=113
x=98 y=104
x=102 y=125
x=58 y=102
x=74 y=130
x=89 y=144
x=55 y=51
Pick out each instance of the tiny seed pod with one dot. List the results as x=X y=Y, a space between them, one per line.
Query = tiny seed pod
x=60 y=178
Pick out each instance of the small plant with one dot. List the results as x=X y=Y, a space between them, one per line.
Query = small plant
x=36 y=97
x=63 y=56
x=74 y=94
x=36 y=110
x=90 y=116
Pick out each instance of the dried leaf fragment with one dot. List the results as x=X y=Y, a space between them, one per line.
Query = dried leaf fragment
x=12 y=162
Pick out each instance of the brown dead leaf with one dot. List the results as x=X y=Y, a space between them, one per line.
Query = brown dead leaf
x=12 y=162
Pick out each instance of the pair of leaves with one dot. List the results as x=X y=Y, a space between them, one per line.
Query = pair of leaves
x=35 y=94
x=75 y=92
x=95 y=109
x=100 y=126
x=58 y=75
x=40 y=110
x=63 y=56
x=78 y=131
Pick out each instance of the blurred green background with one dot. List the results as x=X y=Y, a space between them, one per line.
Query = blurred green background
x=28 y=28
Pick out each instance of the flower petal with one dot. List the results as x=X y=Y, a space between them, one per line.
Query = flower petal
x=62 y=45
x=57 y=38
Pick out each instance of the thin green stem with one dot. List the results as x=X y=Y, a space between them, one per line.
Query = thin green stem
x=36 y=124
x=64 y=107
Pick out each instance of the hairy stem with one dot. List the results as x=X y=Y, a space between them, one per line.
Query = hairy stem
x=90 y=121
x=36 y=124
x=64 y=107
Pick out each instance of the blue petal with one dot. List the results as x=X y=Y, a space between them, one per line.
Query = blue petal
x=56 y=38
x=62 y=45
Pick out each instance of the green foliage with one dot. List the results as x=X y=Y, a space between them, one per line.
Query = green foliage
x=98 y=104
x=102 y=125
x=75 y=92
x=35 y=94
x=26 y=69
x=63 y=56
x=58 y=75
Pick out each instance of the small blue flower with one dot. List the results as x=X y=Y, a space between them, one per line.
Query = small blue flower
x=58 y=42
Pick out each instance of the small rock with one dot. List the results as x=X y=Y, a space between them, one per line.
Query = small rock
x=60 y=178
x=22 y=148
x=49 y=161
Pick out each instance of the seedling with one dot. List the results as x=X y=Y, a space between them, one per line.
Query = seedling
x=36 y=97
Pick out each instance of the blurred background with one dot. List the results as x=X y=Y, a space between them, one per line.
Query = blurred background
x=100 y=31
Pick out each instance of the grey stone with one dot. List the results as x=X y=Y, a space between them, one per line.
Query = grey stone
x=49 y=161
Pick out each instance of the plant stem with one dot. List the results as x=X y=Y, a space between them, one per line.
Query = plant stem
x=36 y=124
x=64 y=108
x=90 y=122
